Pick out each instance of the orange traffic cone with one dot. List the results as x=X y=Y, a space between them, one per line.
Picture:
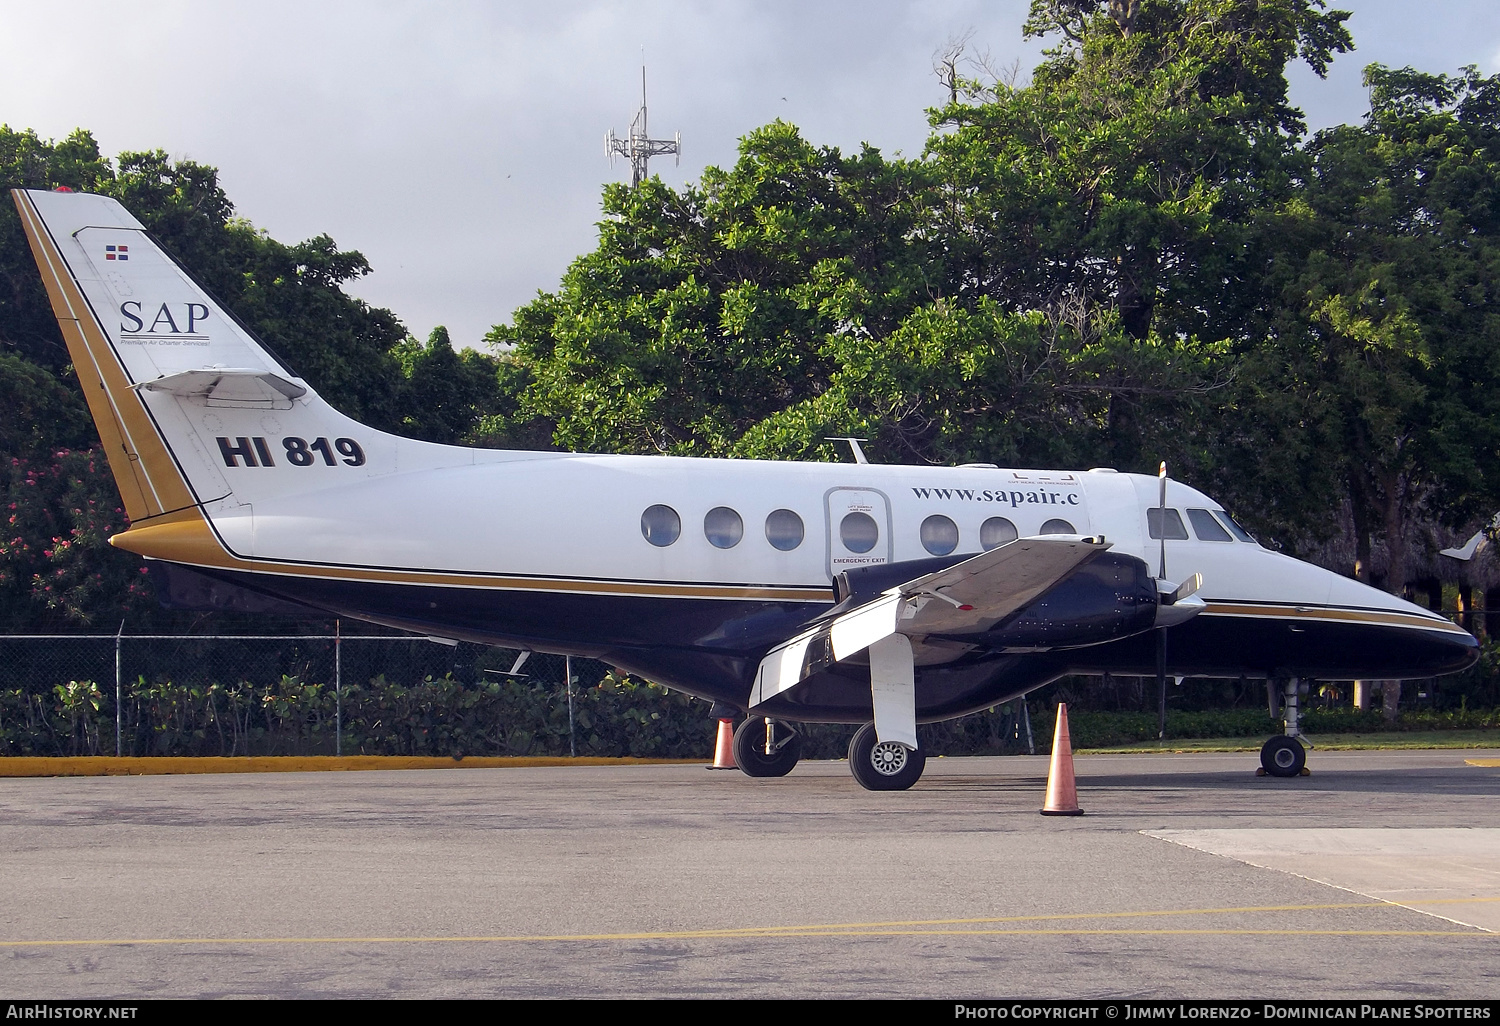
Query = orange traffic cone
x=724 y=749
x=1062 y=792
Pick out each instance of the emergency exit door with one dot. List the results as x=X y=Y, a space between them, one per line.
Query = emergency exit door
x=858 y=527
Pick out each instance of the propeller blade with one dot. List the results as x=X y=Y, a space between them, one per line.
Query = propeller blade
x=1161 y=518
x=1161 y=685
x=1187 y=587
x=1170 y=614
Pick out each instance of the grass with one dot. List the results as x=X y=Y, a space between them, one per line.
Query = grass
x=1384 y=741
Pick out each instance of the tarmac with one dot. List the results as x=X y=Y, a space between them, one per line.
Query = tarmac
x=1376 y=876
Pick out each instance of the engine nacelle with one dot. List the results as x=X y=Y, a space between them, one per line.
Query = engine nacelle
x=1113 y=596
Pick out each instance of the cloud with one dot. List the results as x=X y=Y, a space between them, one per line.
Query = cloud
x=460 y=145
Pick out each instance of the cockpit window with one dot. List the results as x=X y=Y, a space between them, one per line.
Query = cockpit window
x=1206 y=527
x=661 y=525
x=1175 y=530
x=1234 y=527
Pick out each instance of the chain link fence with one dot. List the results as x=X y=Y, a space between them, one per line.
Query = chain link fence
x=327 y=694
x=335 y=694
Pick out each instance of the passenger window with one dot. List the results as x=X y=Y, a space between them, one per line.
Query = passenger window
x=997 y=531
x=723 y=527
x=1058 y=527
x=1234 y=527
x=859 y=532
x=1206 y=527
x=784 y=530
x=1175 y=528
x=661 y=525
x=939 y=535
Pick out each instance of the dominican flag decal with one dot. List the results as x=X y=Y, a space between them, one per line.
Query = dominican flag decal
x=117 y=252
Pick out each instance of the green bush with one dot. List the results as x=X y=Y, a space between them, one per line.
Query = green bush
x=435 y=716
x=619 y=716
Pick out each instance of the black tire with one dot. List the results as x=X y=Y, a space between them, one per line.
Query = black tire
x=750 y=749
x=1283 y=756
x=883 y=767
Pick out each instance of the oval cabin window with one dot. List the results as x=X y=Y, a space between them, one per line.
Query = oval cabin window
x=660 y=525
x=723 y=527
x=997 y=531
x=939 y=535
x=784 y=530
x=859 y=532
x=1058 y=527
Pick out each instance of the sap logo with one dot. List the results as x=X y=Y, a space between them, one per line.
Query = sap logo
x=184 y=321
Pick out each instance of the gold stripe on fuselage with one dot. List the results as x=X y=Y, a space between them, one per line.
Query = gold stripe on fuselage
x=1383 y=617
x=186 y=538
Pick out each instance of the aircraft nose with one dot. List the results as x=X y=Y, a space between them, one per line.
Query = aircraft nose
x=1439 y=653
x=1456 y=651
x=1401 y=639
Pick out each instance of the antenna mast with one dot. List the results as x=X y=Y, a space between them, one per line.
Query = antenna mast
x=638 y=147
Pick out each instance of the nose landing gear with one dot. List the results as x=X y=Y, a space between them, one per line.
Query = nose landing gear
x=1284 y=754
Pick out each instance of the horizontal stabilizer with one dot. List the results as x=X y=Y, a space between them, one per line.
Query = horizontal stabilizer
x=229 y=386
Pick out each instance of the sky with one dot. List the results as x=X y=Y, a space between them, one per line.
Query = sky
x=460 y=146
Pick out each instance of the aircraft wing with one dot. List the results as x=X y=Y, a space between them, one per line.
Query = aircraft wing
x=966 y=599
x=973 y=596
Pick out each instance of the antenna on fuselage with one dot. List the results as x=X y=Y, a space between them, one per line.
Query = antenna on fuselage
x=515 y=670
x=859 y=454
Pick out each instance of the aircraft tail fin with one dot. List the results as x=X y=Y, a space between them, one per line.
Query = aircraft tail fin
x=192 y=410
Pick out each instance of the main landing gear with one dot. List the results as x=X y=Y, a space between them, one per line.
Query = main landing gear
x=766 y=748
x=1284 y=754
x=883 y=765
x=770 y=748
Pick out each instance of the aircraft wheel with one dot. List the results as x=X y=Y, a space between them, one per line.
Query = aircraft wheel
x=884 y=766
x=1283 y=756
x=750 y=749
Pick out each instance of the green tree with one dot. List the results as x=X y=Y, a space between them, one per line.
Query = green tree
x=1126 y=195
x=446 y=393
x=1128 y=174
x=27 y=325
x=705 y=310
x=1389 y=322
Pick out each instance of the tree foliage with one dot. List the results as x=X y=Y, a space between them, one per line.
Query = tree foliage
x=706 y=310
x=1388 y=324
x=1137 y=254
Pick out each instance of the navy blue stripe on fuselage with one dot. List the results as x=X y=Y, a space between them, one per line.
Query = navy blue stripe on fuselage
x=710 y=647
x=1211 y=645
